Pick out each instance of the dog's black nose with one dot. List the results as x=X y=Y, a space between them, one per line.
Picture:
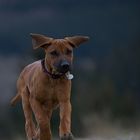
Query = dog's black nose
x=65 y=66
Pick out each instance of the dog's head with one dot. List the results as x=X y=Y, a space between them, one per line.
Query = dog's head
x=59 y=52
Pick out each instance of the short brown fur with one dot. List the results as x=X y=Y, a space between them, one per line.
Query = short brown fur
x=41 y=94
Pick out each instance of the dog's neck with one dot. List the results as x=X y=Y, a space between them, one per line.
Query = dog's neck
x=45 y=69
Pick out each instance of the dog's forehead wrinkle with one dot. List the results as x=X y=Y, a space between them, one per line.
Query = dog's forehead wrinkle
x=59 y=41
x=61 y=44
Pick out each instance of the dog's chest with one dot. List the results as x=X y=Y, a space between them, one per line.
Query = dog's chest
x=52 y=90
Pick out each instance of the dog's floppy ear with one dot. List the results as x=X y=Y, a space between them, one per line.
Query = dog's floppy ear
x=75 y=41
x=40 y=41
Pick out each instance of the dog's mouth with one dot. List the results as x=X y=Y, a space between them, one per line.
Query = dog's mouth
x=64 y=70
x=67 y=73
x=60 y=71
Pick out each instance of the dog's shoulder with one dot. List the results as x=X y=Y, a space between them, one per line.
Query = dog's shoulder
x=31 y=68
x=34 y=64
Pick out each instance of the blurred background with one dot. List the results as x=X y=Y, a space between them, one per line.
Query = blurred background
x=106 y=87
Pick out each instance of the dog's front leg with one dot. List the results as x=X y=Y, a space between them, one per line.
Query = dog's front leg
x=65 y=121
x=42 y=117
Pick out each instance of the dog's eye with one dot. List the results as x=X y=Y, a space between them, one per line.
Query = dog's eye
x=68 y=52
x=54 y=53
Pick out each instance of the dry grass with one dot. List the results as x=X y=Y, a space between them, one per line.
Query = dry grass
x=130 y=136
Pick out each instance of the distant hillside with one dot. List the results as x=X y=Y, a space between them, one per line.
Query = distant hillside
x=108 y=23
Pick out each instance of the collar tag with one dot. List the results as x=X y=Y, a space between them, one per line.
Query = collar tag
x=69 y=76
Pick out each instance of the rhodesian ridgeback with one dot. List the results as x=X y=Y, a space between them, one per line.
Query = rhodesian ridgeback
x=46 y=84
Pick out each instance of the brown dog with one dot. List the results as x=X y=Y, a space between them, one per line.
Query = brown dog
x=44 y=85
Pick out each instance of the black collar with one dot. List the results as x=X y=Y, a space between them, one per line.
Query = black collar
x=54 y=76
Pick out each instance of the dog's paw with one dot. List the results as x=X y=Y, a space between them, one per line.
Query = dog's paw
x=68 y=136
x=34 y=138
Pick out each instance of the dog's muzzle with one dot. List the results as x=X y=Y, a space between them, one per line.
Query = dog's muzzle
x=64 y=67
